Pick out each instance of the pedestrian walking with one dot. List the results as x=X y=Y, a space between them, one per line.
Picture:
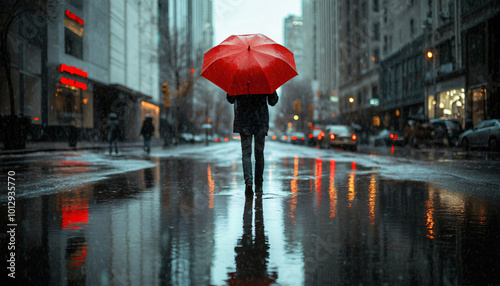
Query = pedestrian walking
x=251 y=121
x=250 y=68
x=147 y=132
x=113 y=132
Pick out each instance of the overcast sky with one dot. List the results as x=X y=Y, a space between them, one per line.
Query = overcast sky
x=236 y=17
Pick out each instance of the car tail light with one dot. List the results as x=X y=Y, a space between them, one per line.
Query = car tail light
x=284 y=137
x=294 y=138
x=332 y=136
x=320 y=137
x=354 y=137
x=311 y=136
x=393 y=136
x=303 y=139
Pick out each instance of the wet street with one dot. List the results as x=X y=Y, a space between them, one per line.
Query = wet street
x=180 y=217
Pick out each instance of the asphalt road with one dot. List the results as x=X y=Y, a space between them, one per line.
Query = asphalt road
x=179 y=216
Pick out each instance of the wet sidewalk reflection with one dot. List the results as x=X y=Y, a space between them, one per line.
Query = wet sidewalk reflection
x=319 y=222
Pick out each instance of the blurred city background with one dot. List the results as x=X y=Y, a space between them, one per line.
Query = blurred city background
x=370 y=64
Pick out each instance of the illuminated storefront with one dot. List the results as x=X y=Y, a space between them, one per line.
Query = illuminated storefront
x=448 y=104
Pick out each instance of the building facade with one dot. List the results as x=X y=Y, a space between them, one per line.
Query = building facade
x=321 y=57
x=405 y=60
x=91 y=58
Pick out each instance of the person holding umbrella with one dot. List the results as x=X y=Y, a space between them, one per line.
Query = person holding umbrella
x=147 y=131
x=250 y=68
x=251 y=121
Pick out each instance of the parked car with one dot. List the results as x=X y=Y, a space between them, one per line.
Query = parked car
x=341 y=136
x=446 y=131
x=485 y=135
x=388 y=137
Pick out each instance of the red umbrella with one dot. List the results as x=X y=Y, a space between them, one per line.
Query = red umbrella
x=248 y=64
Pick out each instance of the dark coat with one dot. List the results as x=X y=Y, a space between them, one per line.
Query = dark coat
x=147 y=127
x=113 y=129
x=251 y=114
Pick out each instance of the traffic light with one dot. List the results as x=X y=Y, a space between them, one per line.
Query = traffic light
x=166 y=98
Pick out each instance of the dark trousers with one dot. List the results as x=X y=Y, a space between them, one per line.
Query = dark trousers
x=115 y=141
x=246 y=151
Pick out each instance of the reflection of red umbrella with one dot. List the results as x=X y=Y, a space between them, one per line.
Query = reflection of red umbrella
x=248 y=64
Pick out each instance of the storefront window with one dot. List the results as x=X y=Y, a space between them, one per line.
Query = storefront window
x=431 y=103
x=72 y=106
x=478 y=105
x=33 y=99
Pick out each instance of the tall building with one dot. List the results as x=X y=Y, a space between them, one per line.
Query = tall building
x=359 y=58
x=397 y=61
x=91 y=58
x=321 y=57
x=440 y=62
x=293 y=39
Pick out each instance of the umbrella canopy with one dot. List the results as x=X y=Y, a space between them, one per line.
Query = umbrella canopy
x=248 y=64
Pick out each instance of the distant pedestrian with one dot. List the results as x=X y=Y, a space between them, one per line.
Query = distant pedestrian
x=113 y=132
x=251 y=121
x=147 y=132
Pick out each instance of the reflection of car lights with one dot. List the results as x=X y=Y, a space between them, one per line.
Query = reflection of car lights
x=354 y=137
x=332 y=136
x=320 y=137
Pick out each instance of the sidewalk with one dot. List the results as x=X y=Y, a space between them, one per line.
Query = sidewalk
x=32 y=147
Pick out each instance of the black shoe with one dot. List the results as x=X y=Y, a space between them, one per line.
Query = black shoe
x=248 y=190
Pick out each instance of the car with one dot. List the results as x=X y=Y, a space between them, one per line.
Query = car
x=446 y=131
x=297 y=138
x=315 y=137
x=388 y=137
x=341 y=136
x=485 y=135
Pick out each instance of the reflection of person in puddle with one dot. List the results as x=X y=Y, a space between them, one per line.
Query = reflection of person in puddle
x=252 y=254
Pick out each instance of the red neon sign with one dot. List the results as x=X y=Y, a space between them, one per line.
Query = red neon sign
x=74 y=17
x=74 y=83
x=73 y=70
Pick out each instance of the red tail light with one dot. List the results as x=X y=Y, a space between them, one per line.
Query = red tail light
x=332 y=136
x=311 y=136
x=393 y=136
x=294 y=138
x=354 y=137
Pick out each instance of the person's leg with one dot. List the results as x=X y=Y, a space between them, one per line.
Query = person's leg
x=246 y=154
x=259 y=160
x=116 y=145
x=148 y=144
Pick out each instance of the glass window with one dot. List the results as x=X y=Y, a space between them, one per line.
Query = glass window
x=73 y=38
x=71 y=106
